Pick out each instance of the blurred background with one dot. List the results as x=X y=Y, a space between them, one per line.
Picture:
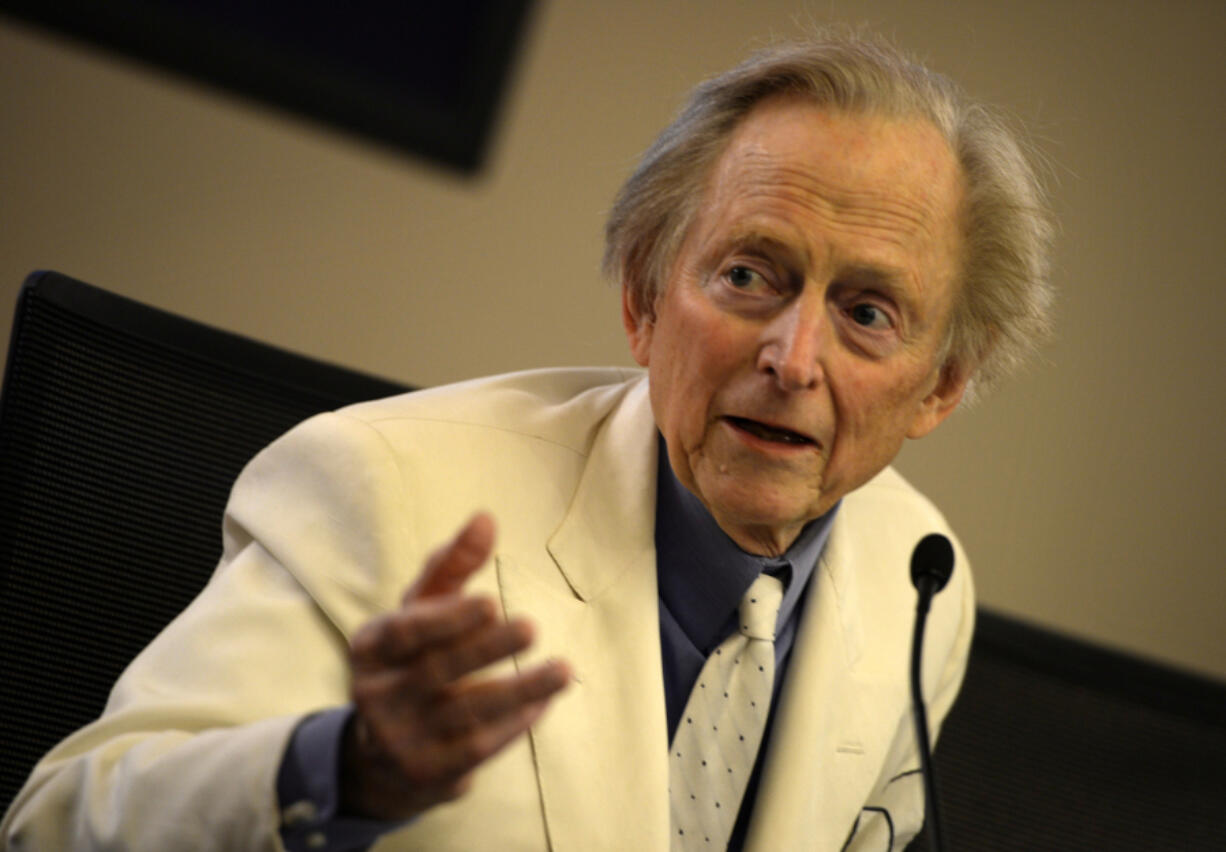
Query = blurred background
x=1088 y=491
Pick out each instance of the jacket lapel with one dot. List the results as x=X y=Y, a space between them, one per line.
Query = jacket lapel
x=601 y=750
x=824 y=753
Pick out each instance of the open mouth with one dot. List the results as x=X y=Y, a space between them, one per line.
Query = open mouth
x=770 y=433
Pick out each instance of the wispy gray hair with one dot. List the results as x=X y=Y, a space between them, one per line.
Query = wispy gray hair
x=1002 y=309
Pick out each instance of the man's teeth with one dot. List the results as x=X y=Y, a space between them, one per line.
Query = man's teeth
x=770 y=433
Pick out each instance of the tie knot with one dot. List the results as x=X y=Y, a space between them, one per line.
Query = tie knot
x=760 y=608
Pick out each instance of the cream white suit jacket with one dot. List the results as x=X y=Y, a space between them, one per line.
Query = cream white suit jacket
x=326 y=527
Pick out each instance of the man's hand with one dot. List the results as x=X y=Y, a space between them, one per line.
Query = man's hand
x=423 y=724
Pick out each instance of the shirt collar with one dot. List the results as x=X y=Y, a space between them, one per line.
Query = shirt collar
x=703 y=574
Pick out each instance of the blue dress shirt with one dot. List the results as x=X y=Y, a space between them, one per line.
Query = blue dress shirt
x=703 y=575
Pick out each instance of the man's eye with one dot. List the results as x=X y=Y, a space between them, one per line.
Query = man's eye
x=742 y=277
x=870 y=316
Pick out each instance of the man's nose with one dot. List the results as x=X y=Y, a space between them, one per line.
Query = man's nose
x=793 y=343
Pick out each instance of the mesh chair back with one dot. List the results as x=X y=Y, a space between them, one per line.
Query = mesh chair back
x=1056 y=744
x=122 y=429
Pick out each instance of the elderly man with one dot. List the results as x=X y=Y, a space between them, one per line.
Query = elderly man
x=694 y=630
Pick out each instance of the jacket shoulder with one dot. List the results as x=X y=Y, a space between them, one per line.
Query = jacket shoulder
x=895 y=503
x=543 y=404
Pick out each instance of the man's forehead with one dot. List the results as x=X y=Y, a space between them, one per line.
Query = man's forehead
x=842 y=166
x=791 y=145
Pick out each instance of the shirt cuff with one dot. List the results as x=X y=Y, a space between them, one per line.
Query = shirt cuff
x=308 y=790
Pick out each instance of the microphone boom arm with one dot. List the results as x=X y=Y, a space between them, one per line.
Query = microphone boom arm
x=932 y=563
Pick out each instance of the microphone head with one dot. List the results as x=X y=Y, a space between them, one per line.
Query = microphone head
x=932 y=563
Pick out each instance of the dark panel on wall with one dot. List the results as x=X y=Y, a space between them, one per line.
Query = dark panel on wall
x=424 y=77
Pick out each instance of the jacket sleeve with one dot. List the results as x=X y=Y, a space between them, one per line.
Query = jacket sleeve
x=186 y=753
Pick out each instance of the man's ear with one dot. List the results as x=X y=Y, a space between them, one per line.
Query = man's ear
x=639 y=324
x=944 y=397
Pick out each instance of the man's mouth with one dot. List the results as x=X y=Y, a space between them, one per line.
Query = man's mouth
x=770 y=433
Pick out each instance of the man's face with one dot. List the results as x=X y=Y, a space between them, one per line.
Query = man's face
x=799 y=336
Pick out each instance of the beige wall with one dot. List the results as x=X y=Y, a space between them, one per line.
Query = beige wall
x=1089 y=491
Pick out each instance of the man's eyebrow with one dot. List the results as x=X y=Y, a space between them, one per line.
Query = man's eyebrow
x=889 y=279
x=757 y=239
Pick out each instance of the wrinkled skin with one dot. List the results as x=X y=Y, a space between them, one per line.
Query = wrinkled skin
x=799 y=337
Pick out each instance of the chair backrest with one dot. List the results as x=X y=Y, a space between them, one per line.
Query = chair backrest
x=122 y=428
x=1056 y=744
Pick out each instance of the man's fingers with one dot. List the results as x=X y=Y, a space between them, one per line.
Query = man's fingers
x=452 y=564
x=423 y=676
x=454 y=757
x=454 y=734
x=490 y=702
x=439 y=668
x=425 y=719
x=407 y=632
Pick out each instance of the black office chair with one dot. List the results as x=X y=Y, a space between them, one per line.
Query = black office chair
x=1056 y=744
x=122 y=429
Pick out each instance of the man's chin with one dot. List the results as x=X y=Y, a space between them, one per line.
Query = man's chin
x=766 y=517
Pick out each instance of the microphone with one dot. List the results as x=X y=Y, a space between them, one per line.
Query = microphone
x=932 y=563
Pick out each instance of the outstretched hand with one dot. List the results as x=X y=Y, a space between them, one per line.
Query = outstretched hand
x=423 y=722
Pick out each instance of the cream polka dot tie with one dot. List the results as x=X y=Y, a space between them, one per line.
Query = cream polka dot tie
x=717 y=740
